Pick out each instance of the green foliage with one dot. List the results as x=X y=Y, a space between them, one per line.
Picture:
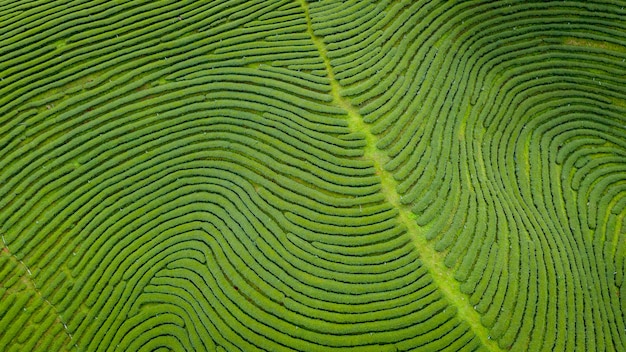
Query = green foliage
x=278 y=175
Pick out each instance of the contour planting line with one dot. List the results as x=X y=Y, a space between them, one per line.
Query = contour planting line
x=432 y=260
x=33 y=286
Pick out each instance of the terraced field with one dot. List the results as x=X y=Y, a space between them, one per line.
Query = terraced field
x=283 y=175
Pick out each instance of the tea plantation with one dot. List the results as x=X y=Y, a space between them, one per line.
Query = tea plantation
x=293 y=175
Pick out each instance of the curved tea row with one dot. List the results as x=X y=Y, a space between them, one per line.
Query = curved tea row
x=176 y=176
x=179 y=175
x=505 y=128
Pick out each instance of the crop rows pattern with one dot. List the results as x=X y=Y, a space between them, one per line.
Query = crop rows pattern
x=284 y=175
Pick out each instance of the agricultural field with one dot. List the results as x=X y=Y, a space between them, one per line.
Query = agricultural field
x=293 y=175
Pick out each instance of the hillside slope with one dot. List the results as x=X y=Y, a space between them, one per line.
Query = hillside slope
x=314 y=176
